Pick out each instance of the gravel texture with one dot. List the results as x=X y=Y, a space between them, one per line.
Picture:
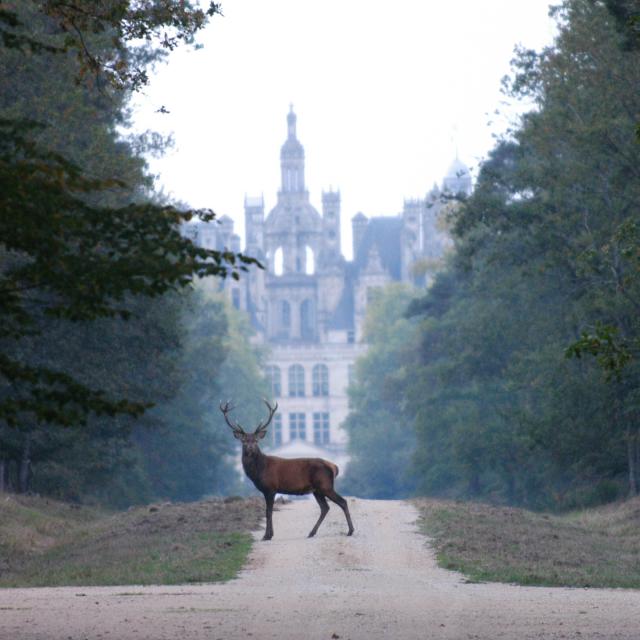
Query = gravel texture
x=381 y=583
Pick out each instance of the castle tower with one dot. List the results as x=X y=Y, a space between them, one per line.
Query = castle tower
x=226 y=236
x=292 y=159
x=372 y=277
x=431 y=241
x=458 y=179
x=330 y=226
x=293 y=240
x=358 y=227
x=412 y=215
x=254 y=225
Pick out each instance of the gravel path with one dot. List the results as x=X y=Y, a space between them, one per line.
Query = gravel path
x=381 y=583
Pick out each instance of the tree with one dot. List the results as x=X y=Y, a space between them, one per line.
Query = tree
x=545 y=254
x=545 y=263
x=381 y=436
x=157 y=25
x=79 y=239
x=191 y=452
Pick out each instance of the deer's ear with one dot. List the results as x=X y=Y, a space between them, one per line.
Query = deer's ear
x=261 y=434
x=238 y=434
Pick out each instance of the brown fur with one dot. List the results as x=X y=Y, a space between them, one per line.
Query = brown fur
x=299 y=476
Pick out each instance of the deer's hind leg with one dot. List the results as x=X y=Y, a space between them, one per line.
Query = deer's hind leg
x=324 y=509
x=342 y=503
x=269 y=499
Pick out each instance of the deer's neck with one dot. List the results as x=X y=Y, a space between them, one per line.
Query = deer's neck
x=253 y=462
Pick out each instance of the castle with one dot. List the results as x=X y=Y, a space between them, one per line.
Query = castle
x=309 y=303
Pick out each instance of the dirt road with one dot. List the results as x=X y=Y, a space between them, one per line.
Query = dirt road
x=381 y=583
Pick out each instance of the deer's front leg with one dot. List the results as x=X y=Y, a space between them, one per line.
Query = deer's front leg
x=269 y=498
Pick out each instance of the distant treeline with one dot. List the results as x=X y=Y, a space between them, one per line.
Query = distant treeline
x=515 y=378
x=111 y=364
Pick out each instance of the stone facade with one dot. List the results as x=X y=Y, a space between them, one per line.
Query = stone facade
x=309 y=303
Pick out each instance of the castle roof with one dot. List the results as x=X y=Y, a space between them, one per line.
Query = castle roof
x=385 y=235
x=292 y=146
x=457 y=169
x=343 y=314
x=304 y=218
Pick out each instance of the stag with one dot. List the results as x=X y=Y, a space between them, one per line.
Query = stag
x=272 y=475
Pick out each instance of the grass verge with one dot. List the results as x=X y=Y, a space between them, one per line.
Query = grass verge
x=48 y=543
x=594 y=548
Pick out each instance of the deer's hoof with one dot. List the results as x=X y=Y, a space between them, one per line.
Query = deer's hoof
x=351 y=532
x=313 y=533
x=267 y=537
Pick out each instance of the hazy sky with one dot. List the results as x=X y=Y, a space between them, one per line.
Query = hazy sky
x=384 y=93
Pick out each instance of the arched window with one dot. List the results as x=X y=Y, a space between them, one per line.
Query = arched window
x=272 y=373
x=320 y=380
x=309 y=260
x=306 y=320
x=278 y=261
x=296 y=381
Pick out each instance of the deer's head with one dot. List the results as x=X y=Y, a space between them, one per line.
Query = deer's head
x=249 y=440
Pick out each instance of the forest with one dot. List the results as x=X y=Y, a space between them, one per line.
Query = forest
x=116 y=341
x=515 y=377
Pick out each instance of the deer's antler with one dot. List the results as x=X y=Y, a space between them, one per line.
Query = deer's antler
x=226 y=408
x=272 y=410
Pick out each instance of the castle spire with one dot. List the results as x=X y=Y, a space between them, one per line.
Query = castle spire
x=292 y=158
x=291 y=122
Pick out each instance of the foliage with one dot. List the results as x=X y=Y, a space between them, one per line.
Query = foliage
x=75 y=25
x=80 y=234
x=545 y=266
x=627 y=16
x=191 y=452
x=97 y=322
x=379 y=428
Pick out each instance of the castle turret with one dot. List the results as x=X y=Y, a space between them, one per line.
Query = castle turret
x=412 y=214
x=358 y=227
x=254 y=225
x=331 y=226
x=292 y=159
x=458 y=179
x=225 y=233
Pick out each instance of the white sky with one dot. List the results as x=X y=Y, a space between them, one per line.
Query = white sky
x=384 y=93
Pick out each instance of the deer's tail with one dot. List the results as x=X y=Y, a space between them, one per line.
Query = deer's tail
x=334 y=469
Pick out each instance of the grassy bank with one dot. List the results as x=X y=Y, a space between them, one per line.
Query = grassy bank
x=48 y=543
x=594 y=548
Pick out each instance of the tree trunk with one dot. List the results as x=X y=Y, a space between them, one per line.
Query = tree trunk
x=632 y=460
x=4 y=475
x=637 y=459
x=24 y=469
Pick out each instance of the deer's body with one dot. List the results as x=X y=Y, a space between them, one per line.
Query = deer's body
x=298 y=476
